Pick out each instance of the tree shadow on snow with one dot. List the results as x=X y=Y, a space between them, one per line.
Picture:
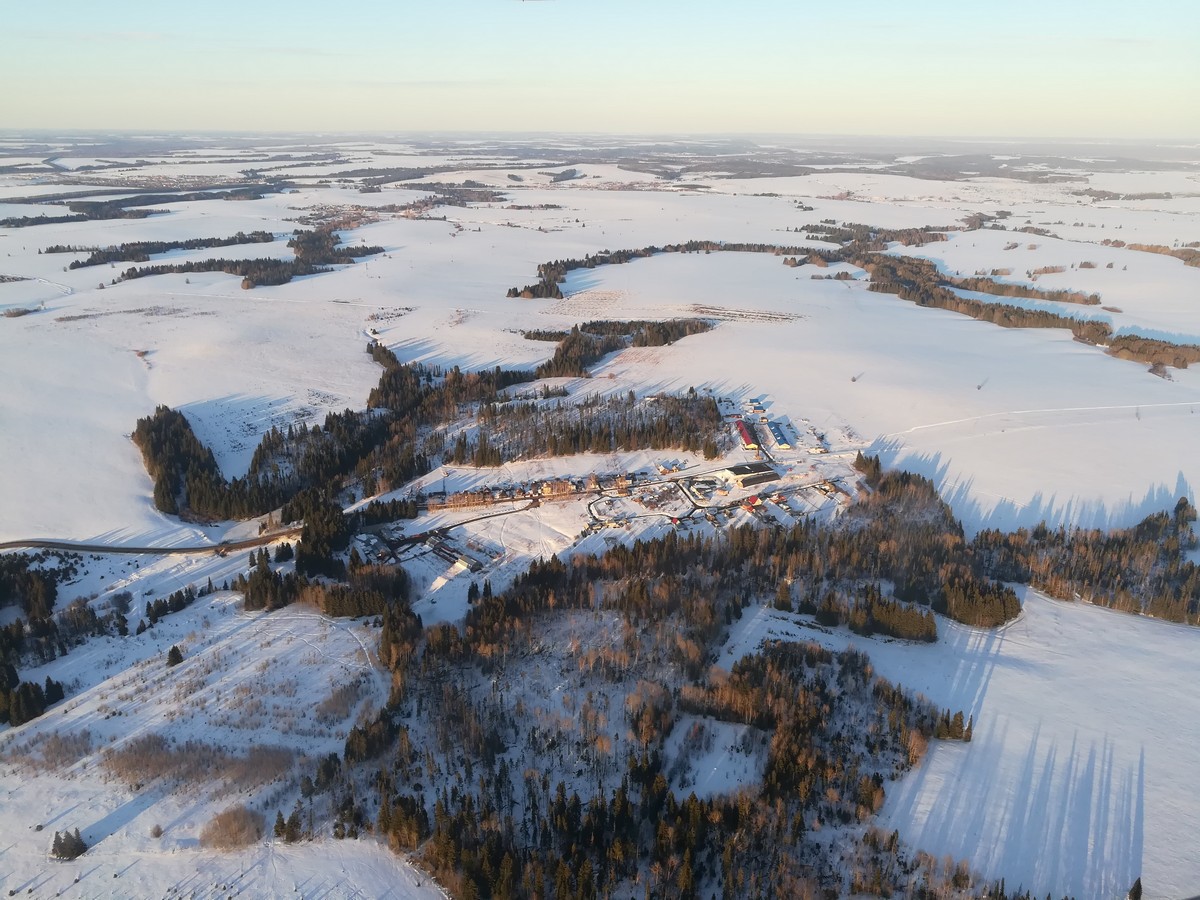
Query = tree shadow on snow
x=119 y=818
x=1006 y=514
x=1072 y=820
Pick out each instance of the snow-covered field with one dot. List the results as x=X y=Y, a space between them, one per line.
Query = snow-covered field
x=248 y=681
x=998 y=417
x=1077 y=778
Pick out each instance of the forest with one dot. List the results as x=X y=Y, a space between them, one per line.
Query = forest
x=314 y=250
x=1143 y=569
x=523 y=834
x=141 y=251
x=134 y=207
x=366 y=590
x=833 y=735
x=386 y=445
x=594 y=424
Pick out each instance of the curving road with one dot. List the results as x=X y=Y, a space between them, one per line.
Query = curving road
x=81 y=547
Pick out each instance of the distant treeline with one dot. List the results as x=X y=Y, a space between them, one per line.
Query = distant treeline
x=141 y=251
x=30 y=221
x=919 y=281
x=131 y=207
x=1189 y=253
x=551 y=274
x=1007 y=289
x=912 y=278
x=314 y=250
x=103 y=209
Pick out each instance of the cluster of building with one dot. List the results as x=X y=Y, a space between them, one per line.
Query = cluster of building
x=445 y=550
x=557 y=487
x=750 y=434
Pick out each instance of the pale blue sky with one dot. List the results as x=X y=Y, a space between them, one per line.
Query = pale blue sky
x=932 y=67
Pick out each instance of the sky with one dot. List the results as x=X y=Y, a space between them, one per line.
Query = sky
x=1052 y=68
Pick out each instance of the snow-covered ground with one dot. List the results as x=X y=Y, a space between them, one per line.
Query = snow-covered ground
x=247 y=681
x=1077 y=777
x=1074 y=780
x=998 y=417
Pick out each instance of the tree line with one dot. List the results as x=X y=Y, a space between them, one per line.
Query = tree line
x=134 y=207
x=585 y=345
x=141 y=251
x=919 y=281
x=1143 y=569
x=315 y=251
x=910 y=278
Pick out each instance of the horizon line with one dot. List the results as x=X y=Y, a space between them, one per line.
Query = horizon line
x=637 y=135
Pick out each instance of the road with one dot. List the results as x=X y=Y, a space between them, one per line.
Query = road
x=223 y=547
x=80 y=547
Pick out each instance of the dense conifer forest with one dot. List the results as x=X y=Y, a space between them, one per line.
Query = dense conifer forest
x=314 y=250
x=141 y=251
x=595 y=424
x=135 y=207
x=1143 y=569
x=832 y=735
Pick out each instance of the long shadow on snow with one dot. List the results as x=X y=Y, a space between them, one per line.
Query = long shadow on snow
x=1072 y=821
x=120 y=817
x=1008 y=515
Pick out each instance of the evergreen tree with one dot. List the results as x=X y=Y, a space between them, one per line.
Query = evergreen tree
x=292 y=830
x=68 y=845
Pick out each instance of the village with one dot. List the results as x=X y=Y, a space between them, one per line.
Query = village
x=488 y=523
